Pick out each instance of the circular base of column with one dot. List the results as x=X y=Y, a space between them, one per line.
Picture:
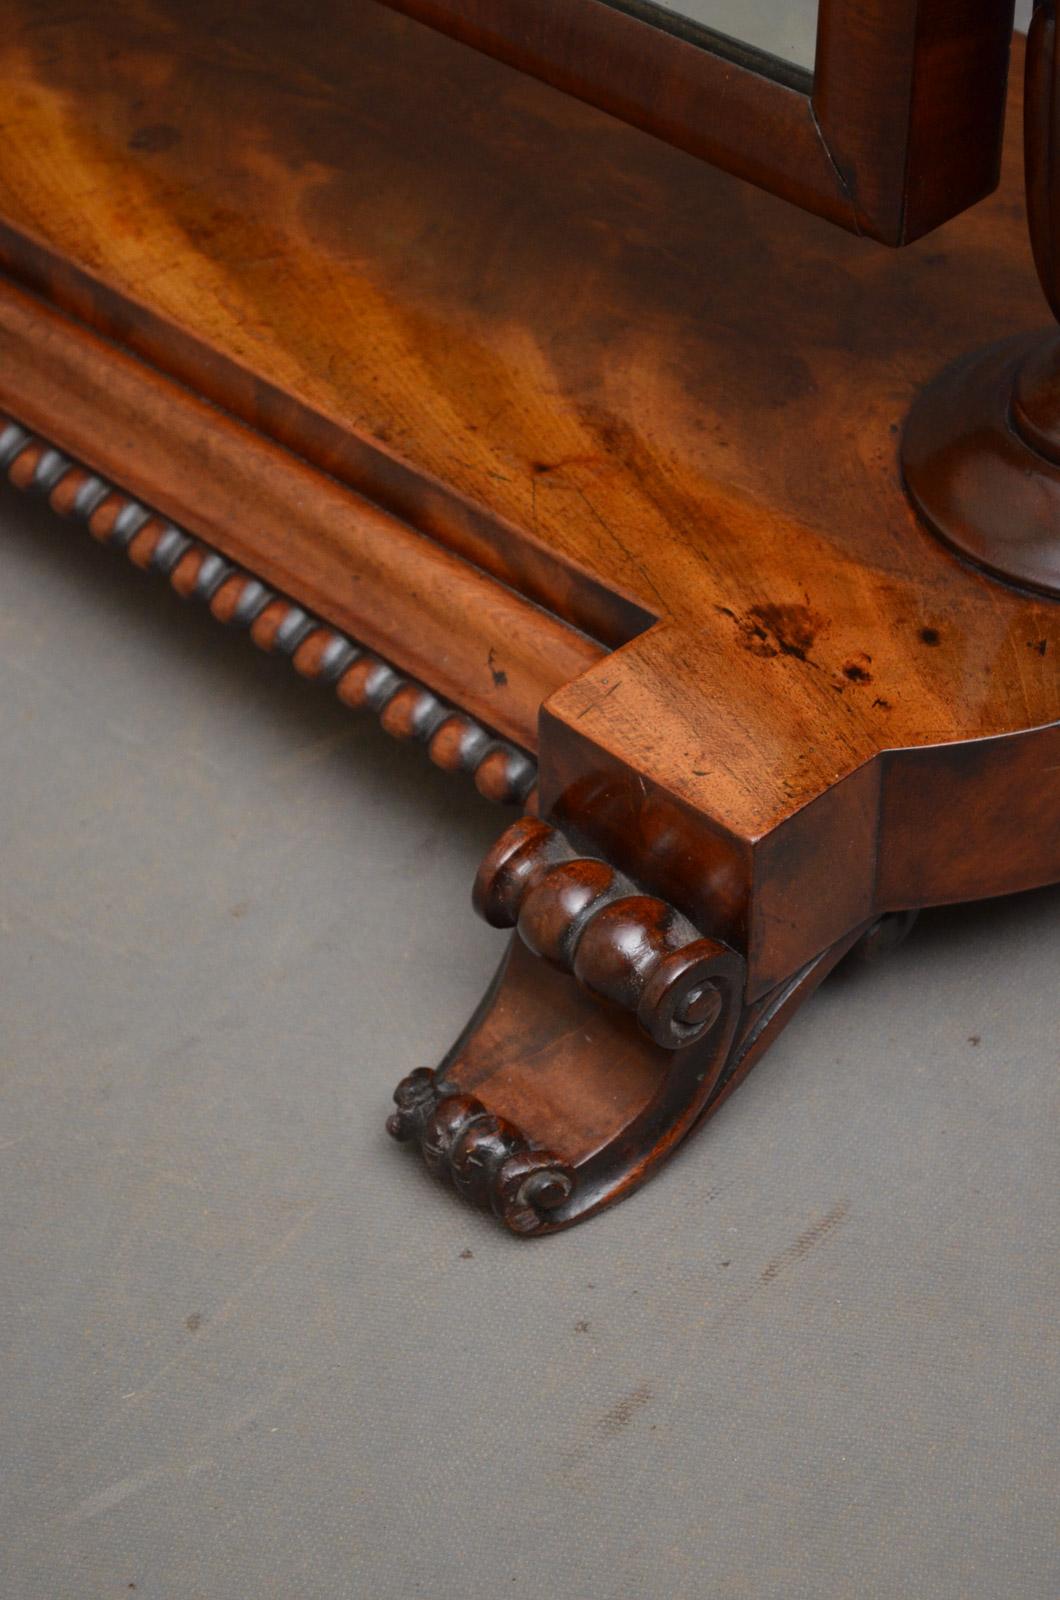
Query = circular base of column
x=977 y=483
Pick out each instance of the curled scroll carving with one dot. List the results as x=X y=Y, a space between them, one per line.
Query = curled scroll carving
x=486 y=1159
x=584 y=916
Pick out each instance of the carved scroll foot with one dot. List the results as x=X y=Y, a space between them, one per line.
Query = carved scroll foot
x=612 y=1029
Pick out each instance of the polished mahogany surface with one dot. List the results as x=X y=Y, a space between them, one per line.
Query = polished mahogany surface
x=629 y=386
x=596 y=443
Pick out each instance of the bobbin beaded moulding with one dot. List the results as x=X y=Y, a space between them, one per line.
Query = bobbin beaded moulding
x=580 y=463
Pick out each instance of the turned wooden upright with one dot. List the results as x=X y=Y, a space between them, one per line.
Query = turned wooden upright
x=981 y=452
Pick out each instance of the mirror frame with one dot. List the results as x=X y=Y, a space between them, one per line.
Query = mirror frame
x=897 y=129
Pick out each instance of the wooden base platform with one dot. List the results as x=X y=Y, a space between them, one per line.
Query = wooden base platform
x=595 y=446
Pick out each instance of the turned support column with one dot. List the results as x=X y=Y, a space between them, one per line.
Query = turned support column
x=981 y=449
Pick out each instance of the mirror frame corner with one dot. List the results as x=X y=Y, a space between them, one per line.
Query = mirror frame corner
x=897 y=129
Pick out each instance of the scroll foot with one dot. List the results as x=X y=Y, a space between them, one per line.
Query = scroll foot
x=612 y=1029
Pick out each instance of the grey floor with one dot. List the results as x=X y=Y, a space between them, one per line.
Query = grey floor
x=247 y=1348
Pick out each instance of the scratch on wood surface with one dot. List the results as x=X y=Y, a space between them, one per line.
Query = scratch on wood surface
x=594 y=705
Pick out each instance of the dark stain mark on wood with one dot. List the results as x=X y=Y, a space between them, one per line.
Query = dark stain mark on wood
x=856 y=673
x=1039 y=646
x=778 y=630
x=794 y=629
x=581 y=1327
x=499 y=676
x=540 y=468
x=194 y=1322
x=930 y=636
x=156 y=137
x=975 y=1038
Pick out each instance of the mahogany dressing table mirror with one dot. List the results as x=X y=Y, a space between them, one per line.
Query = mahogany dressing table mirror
x=533 y=374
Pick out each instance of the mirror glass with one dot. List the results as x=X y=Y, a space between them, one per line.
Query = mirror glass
x=784 y=29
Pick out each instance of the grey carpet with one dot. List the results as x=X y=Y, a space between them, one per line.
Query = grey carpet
x=247 y=1347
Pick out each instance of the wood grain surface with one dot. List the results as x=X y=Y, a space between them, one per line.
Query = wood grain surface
x=896 y=129
x=357 y=565
x=630 y=388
